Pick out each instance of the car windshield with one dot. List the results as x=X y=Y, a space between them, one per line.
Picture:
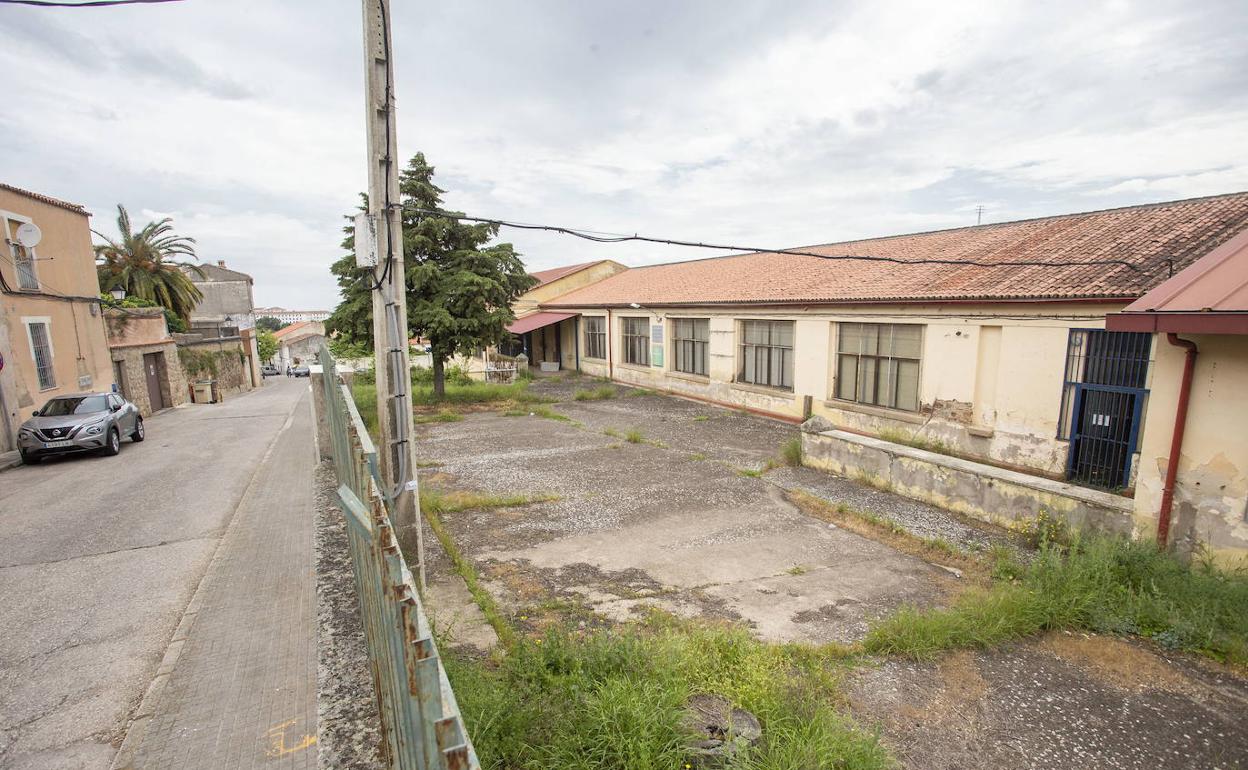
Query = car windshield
x=60 y=407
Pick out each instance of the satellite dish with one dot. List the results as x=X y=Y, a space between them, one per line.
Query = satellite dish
x=29 y=235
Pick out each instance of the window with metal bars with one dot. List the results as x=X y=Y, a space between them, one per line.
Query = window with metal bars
x=636 y=339
x=766 y=354
x=595 y=336
x=41 y=350
x=24 y=261
x=1099 y=357
x=878 y=364
x=690 y=338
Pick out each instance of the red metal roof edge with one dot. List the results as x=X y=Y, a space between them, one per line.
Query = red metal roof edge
x=1213 y=322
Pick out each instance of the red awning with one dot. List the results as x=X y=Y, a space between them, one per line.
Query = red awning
x=536 y=321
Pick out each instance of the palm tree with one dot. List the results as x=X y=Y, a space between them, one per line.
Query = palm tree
x=146 y=264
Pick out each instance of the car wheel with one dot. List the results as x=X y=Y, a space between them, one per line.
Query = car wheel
x=113 y=446
x=139 y=433
x=27 y=458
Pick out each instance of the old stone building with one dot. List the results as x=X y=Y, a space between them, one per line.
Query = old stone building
x=145 y=359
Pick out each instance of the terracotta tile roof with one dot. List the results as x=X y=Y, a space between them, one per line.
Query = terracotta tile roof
x=286 y=331
x=74 y=207
x=555 y=273
x=1216 y=283
x=1144 y=236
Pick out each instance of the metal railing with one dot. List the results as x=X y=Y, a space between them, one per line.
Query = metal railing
x=421 y=727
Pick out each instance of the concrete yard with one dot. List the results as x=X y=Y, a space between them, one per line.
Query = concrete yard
x=682 y=520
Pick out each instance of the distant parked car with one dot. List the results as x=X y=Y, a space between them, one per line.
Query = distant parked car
x=301 y=371
x=83 y=422
x=269 y=370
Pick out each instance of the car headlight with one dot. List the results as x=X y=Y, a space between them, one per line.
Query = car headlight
x=96 y=429
x=23 y=433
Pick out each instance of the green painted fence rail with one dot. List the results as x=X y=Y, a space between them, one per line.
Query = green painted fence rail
x=421 y=727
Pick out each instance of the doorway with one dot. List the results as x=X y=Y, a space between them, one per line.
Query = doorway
x=152 y=364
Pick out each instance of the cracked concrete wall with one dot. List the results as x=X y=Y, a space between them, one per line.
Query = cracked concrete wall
x=1211 y=490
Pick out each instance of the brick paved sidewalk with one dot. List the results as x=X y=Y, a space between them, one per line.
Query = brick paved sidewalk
x=238 y=686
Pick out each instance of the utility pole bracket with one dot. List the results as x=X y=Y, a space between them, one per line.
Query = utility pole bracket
x=365 y=240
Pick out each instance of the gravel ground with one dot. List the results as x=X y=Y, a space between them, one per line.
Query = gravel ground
x=347 y=723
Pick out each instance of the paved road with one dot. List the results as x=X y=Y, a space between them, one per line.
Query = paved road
x=99 y=558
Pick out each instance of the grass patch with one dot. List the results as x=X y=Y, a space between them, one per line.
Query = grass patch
x=600 y=393
x=697 y=456
x=755 y=473
x=428 y=464
x=791 y=452
x=1100 y=584
x=435 y=500
x=612 y=699
x=634 y=392
x=364 y=393
x=539 y=411
x=925 y=443
x=482 y=597
x=701 y=418
x=444 y=415
x=634 y=436
x=796 y=569
x=471 y=392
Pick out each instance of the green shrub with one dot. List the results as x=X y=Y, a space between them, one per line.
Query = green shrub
x=792 y=452
x=599 y=393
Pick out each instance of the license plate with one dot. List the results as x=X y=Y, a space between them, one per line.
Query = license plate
x=55 y=444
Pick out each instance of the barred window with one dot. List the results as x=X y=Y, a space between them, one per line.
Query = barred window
x=636 y=341
x=24 y=261
x=878 y=364
x=41 y=350
x=595 y=337
x=689 y=343
x=766 y=354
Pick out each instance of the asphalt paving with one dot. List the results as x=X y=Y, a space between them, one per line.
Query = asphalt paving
x=99 y=557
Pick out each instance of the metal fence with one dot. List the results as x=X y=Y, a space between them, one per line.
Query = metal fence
x=421 y=727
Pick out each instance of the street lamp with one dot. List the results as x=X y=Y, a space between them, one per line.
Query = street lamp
x=118 y=293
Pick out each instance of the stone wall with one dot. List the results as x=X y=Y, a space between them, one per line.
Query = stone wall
x=221 y=359
x=129 y=361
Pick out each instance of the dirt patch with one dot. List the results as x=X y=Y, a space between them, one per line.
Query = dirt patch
x=1119 y=663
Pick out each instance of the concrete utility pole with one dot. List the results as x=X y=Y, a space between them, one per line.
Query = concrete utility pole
x=394 y=401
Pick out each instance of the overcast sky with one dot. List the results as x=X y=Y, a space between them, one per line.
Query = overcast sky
x=764 y=123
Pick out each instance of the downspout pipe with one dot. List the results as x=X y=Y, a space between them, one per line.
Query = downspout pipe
x=1176 y=441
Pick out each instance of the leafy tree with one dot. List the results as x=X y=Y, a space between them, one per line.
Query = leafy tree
x=146 y=264
x=459 y=288
x=270 y=324
x=266 y=344
x=174 y=323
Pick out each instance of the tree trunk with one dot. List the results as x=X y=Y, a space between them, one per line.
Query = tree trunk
x=439 y=377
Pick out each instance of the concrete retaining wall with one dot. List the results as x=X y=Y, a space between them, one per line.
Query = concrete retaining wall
x=983 y=491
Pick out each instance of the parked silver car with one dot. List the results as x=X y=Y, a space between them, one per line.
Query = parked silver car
x=82 y=422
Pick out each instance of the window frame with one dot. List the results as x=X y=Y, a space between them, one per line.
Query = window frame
x=677 y=345
x=599 y=336
x=44 y=321
x=627 y=340
x=881 y=364
x=25 y=266
x=787 y=361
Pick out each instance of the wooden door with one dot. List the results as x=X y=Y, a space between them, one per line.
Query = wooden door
x=151 y=371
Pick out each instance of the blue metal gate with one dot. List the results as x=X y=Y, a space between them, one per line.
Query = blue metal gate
x=1103 y=404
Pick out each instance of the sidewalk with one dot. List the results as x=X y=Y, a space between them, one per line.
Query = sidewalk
x=237 y=688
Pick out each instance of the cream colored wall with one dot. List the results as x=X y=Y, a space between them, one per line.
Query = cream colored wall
x=989 y=385
x=528 y=302
x=1211 y=493
x=64 y=265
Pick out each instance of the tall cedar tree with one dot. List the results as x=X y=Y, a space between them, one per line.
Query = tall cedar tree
x=459 y=290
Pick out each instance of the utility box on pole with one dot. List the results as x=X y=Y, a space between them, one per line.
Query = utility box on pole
x=390 y=341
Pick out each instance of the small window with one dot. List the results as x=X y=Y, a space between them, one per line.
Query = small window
x=595 y=337
x=766 y=354
x=637 y=341
x=689 y=343
x=878 y=364
x=24 y=261
x=41 y=351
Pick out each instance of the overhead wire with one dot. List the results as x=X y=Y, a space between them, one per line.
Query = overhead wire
x=599 y=237
x=86 y=4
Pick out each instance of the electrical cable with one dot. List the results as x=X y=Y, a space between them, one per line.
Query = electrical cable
x=86 y=4
x=621 y=238
x=385 y=216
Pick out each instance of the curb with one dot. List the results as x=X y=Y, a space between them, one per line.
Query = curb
x=136 y=729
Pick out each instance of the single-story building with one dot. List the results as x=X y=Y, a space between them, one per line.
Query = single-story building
x=549 y=339
x=1196 y=442
x=146 y=366
x=971 y=367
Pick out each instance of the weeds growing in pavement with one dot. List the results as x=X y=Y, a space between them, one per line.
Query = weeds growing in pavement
x=791 y=452
x=600 y=393
x=465 y=569
x=701 y=418
x=634 y=436
x=926 y=443
x=1097 y=583
x=444 y=415
x=613 y=699
x=443 y=501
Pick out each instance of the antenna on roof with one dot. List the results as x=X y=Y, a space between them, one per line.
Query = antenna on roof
x=979 y=214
